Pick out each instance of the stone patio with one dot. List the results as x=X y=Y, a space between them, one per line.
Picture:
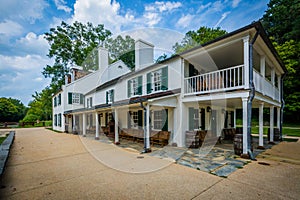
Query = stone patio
x=218 y=159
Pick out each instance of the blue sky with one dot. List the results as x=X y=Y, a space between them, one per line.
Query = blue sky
x=23 y=48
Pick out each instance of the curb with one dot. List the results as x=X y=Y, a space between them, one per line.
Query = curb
x=4 y=150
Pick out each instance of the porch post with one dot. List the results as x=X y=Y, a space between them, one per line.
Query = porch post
x=234 y=119
x=116 y=127
x=245 y=116
x=97 y=126
x=272 y=124
x=246 y=60
x=74 y=124
x=83 y=124
x=263 y=66
x=147 y=128
x=261 y=125
x=278 y=117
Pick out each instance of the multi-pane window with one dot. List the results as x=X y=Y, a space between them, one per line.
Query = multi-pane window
x=59 y=99
x=59 y=119
x=196 y=119
x=135 y=118
x=75 y=98
x=89 y=102
x=135 y=86
x=156 y=80
x=55 y=120
x=55 y=102
x=157 y=119
x=110 y=96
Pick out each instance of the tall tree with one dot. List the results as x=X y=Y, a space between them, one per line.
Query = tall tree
x=41 y=106
x=11 y=110
x=121 y=49
x=70 y=45
x=195 y=38
x=282 y=22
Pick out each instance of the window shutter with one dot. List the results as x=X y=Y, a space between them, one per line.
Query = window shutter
x=59 y=99
x=129 y=119
x=202 y=119
x=106 y=97
x=164 y=78
x=149 y=90
x=165 y=120
x=191 y=119
x=140 y=87
x=140 y=118
x=70 y=98
x=54 y=101
x=81 y=98
x=129 y=88
x=112 y=96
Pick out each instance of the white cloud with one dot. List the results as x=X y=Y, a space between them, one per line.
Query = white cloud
x=185 y=21
x=61 y=5
x=203 y=7
x=101 y=12
x=22 y=10
x=235 y=3
x=224 y=15
x=10 y=28
x=162 y=6
x=19 y=76
x=33 y=44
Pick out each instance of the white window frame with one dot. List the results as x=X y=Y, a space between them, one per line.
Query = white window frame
x=156 y=80
x=89 y=102
x=198 y=119
x=75 y=98
x=135 y=118
x=109 y=96
x=157 y=120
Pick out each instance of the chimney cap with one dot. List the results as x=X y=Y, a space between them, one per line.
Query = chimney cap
x=143 y=41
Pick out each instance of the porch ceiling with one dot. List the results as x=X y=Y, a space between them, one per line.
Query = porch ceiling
x=218 y=58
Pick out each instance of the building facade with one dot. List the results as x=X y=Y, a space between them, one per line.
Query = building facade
x=199 y=89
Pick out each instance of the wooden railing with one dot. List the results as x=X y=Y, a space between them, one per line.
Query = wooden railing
x=221 y=80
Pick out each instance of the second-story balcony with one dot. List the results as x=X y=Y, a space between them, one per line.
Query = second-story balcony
x=232 y=78
x=216 y=81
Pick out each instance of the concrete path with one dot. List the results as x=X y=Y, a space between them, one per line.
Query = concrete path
x=48 y=165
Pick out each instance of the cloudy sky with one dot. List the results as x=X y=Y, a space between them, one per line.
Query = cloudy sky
x=23 y=49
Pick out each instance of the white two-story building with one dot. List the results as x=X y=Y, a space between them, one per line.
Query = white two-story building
x=199 y=89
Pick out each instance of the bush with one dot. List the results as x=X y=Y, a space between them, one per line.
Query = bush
x=30 y=118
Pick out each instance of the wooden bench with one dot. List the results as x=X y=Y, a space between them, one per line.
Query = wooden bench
x=228 y=133
x=160 y=137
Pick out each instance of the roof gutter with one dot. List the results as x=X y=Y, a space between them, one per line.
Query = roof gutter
x=251 y=97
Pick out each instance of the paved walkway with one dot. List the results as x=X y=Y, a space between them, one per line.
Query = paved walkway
x=48 y=165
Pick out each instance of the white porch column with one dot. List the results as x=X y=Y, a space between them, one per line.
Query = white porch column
x=246 y=60
x=278 y=117
x=279 y=87
x=84 y=124
x=97 y=126
x=273 y=76
x=261 y=125
x=74 y=123
x=234 y=118
x=272 y=124
x=263 y=66
x=147 y=127
x=245 y=116
x=116 y=127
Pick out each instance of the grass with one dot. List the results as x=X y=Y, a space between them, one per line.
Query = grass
x=2 y=139
x=287 y=129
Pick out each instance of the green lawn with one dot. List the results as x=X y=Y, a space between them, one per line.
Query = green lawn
x=2 y=139
x=290 y=131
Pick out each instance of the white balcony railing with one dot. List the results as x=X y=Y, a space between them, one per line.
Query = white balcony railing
x=265 y=87
x=221 y=80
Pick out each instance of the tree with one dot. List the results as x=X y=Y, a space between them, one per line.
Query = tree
x=122 y=49
x=11 y=110
x=282 y=20
x=282 y=23
x=70 y=45
x=41 y=107
x=195 y=38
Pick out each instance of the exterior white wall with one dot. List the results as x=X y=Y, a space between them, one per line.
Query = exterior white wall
x=59 y=109
x=113 y=71
x=144 y=54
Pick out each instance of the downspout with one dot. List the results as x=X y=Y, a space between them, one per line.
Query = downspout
x=251 y=97
x=282 y=104
x=146 y=148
